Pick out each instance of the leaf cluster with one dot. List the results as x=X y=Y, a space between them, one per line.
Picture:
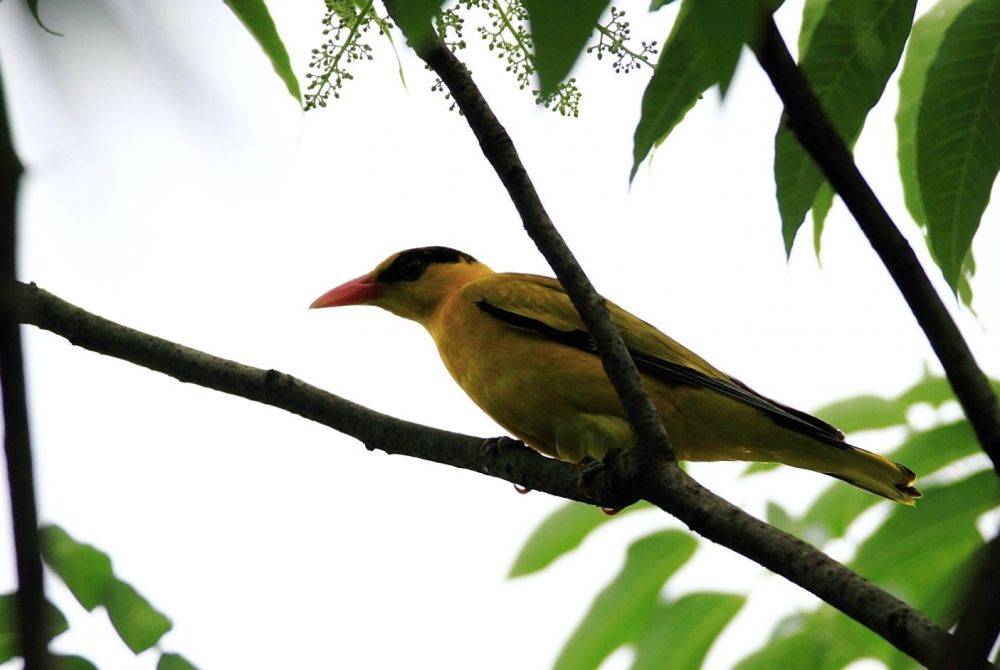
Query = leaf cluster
x=87 y=573
x=948 y=118
x=915 y=554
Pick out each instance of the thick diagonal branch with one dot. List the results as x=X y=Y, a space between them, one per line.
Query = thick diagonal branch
x=522 y=466
x=819 y=137
x=646 y=471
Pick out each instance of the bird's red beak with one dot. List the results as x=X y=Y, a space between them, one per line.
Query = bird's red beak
x=358 y=291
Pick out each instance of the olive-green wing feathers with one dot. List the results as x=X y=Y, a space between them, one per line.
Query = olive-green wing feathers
x=541 y=305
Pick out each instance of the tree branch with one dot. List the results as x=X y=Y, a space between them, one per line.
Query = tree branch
x=517 y=464
x=31 y=612
x=649 y=471
x=820 y=138
x=500 y=151
x=801 y=563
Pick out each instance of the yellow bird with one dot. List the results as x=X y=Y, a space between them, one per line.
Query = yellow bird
x=517 y=347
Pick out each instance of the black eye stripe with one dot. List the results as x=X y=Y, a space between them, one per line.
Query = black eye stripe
x=413 y=269
x=410 y=265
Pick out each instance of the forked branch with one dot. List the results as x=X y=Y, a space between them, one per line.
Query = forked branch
x=649 y=470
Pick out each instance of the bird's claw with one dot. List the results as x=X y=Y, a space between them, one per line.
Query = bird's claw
x=495 y=445
x=590 y=467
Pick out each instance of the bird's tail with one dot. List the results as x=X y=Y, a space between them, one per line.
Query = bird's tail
x=879 y=475
x=870 y=472
x=857 y=467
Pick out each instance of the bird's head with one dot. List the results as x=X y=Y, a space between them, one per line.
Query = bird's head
x=410 y=284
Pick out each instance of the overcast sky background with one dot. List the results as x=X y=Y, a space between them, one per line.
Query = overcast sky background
x=175 y=187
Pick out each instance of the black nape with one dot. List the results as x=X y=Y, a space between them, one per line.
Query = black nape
x=410 y=265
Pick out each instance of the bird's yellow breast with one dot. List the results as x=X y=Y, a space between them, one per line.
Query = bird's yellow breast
x=558 y=399
x=555 y=398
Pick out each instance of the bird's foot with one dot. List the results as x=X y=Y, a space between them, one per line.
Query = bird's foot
x=495 y=445
x=590 y=467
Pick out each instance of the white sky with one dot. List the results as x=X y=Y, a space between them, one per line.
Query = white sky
x=175 y=187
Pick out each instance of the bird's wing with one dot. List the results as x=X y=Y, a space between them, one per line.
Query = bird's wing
x=540 y=304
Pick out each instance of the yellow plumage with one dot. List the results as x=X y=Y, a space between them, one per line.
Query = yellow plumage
x=517 y=347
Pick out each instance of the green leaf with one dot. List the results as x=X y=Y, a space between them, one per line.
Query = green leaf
x=952 y=593
x=84 y=569
x=87 y=572
x=833 y=512
x=620 y=613
x=72 y=663
x=760 y=467
x=820 y=208
x=679 y=80
x=853 y=48
x=9 y=646
x=139 y=625
x=684 y=631
x=796 y=651
x=414 y=18
x=778 y=516
x=897 y=660
x=821 y=640
x=928 y=451
x=659 y=4
x=916 y=553
x=174 y=662
x=10 y=643
x=722 y=27
x=932 y=390
x=33 y=8
x=864 y=412
x=925 y=41
x=958 y=133
x=965 y=281
x=257 y=20
x=562 y=532
x=812 y=12
x=560 y=29
x=928 y=34
x=923 y=451
x=703 y=49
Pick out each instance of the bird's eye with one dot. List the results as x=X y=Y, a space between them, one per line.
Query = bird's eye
x=413 y=270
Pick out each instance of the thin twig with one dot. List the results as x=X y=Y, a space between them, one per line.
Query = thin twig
x=819 y=137
x=32 y=615
x=645 y=471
